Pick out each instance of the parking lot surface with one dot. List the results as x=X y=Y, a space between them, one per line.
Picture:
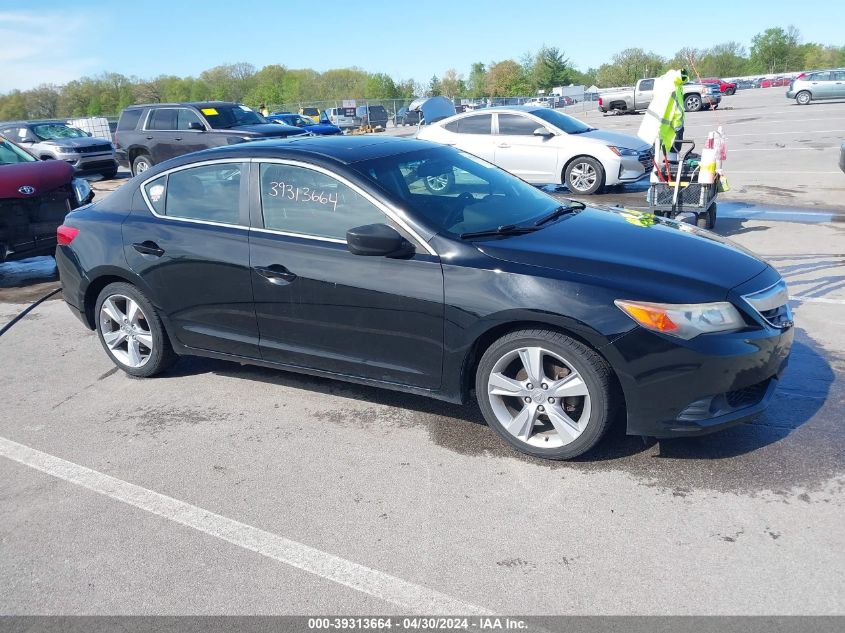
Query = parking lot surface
x=227 y=489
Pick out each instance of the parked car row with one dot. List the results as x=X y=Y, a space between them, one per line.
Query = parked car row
x=817 y=85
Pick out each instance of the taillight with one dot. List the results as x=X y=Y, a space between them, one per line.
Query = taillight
x=600 y=101
x=65 y=234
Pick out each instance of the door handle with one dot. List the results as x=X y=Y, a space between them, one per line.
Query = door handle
x=276 y=274
x=149 y=138
x=178 y=138
x=149 y=248
x=503 y=145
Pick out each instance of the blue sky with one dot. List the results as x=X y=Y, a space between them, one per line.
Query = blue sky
x=47 y=41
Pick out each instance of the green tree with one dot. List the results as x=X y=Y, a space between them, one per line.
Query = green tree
x=628 y=66
x=776 y=50
x=452 y=84
x=506 y=79
x=475 y=82
x=381 y=86
x=550 y=69
x=433 y=87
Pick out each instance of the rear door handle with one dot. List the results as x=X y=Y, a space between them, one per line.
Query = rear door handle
x=178 y=138
x=503 y=145
x=149 y=138
x=149 y=248
x=276 y=274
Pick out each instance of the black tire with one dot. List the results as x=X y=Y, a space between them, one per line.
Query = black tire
x=109 y=175
x=693 y=103
x=706 y=220
x=803 y=98
x=161 y=356
x=594 y=371
x=141 y=163
x=730 y=91
x=571 y=180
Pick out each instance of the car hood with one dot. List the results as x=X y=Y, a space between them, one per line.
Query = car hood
x=82 y=141
x=43 y=176
x=643 y=256
x=266 y=129
x=618 y=139
x=323 y=128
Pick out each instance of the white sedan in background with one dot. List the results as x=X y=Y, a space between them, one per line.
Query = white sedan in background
x=543 y=146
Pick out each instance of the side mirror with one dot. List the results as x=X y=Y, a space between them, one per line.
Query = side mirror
x=544 y=132
x=196 y=125
x=377 y=240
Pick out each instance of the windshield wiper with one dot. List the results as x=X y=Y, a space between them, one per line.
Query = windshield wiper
x=505 y=229
x=561 y=210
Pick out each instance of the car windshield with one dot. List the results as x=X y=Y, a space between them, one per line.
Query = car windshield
x=221 y=117
x=53 y=131
x=562 y=121
x=456 y=192
x=10 y=154
x=302 y=121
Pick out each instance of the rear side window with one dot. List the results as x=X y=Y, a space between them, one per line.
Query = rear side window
x=129 y=119
x=162 y=119
x=479 y=124
x=824 y=76
x=209 y=192
x=307 y=202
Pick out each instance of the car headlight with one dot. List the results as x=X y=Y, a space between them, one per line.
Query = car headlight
x=81 y=189
x=68 y=150
x=684 y=320
x=623 y=151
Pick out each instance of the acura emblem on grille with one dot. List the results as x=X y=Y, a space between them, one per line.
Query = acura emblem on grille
x=26 y=190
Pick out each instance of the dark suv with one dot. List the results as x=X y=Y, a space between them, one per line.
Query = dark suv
x=374 y=115
x=149 y=134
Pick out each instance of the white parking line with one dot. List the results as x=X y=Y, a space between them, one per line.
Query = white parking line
x=790 y=132
x=778 y=173
x=405 y=594
x=782 y=149
x=839 y=302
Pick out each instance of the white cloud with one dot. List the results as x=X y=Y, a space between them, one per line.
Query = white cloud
x=44 y=47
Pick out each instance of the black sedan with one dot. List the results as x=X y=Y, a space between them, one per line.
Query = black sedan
x=337 y=257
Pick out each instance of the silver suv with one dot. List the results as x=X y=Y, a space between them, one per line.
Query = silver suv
x=818 y=84
x=58 y=140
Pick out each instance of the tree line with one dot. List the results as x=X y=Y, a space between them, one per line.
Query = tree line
x=775 y=50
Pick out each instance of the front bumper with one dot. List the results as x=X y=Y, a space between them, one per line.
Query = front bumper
x=91 y=163
x=675 y=388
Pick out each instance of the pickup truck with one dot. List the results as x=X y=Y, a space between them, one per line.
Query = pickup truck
x=696 y=97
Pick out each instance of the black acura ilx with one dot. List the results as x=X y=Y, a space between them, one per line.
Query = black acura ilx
x=417 y=267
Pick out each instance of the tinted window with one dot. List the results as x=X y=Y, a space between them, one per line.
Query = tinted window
x=304 y=201
x=647 y=84
x=562 y=121
x=185 y=117
x=11 y=155
x=517 y=125
x=162 y=119
x=209 y=192
x=129 y=119
x=479 y=124
x=457 y=192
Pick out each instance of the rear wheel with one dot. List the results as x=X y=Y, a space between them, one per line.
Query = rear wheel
x=730 y=91
x=109 y=175
x=803 y=97
x=131 y=332
x=584 y=176
x=545 y=393
x=692 y=103
x=141 y=164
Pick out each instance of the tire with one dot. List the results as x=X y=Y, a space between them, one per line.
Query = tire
x=440 y=184
x=730 y=92
x=141 y=163
x=584 y=176
x=692 y=103
x=707 y=220
x=136 y=344
x=542 y=427
x=109 y=175
x=803 y=97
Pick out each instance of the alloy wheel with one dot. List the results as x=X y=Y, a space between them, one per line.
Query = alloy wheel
x=126 y=331
x=693 y=103
x=583 y=176
x=803 y=98
x=539 y=397
x=438 y=183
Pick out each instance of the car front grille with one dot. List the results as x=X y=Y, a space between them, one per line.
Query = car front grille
x=772 y=304
x=646 y=158
x=93 y=149
x=747 y=396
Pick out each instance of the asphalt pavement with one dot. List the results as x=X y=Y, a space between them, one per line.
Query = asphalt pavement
x=219 y=488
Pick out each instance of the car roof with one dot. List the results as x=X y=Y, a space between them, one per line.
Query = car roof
x=339 y=149
x=195 y=104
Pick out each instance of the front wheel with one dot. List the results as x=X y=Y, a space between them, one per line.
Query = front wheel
x=692 y=103
x=803 y=97
x=584 y=176
x=545 y=393
x=131 y=332
x=141 y=164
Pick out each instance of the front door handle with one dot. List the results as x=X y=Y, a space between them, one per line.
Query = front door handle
x=149 y=248
x=503 y=145
x=149 y=138
x=276 y=274
x=178 y=138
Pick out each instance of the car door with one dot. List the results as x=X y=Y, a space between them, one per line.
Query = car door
x=837 y=79
x=472 y=134
x=189 y=140
x=644 y=94
x=820 y=85
x=519 y=151
x=163 y=138
x=321 y=307
x=188 y=239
